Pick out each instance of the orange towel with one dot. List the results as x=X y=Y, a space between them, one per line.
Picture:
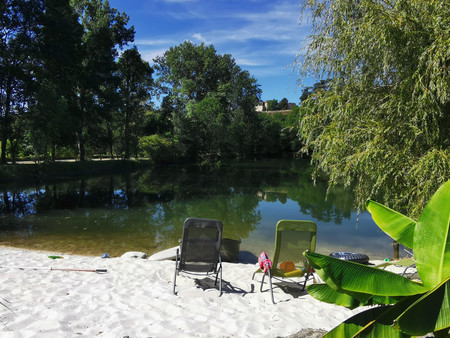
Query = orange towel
x=287 y=266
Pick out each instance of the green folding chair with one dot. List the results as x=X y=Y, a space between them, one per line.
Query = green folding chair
x=292 y=238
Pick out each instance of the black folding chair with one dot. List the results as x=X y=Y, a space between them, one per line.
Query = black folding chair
x=200 y=249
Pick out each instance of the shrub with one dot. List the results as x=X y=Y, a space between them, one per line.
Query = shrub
x=160 y=149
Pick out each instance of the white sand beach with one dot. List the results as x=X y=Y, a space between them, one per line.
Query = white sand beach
x=134 y=299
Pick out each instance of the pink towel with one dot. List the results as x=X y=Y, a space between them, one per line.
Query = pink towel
x=264 y=262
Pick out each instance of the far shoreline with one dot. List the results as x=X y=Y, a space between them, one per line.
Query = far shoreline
x=27 y=171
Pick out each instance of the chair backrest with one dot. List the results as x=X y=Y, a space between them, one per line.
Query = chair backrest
x=200 y=246
x=292 y=238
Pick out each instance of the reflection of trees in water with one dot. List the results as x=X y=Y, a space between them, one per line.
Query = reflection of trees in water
x=19 y=203
x=200 y=192
x=156 y=201
x=313 y=200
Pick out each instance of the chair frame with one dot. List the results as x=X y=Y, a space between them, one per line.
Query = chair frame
x=206 y=266
x=289 y=225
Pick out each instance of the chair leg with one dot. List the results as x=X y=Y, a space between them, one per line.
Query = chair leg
x=262 y=282
x=270 y=283
x=176 y=272
x=217 y=274
x=306 y=279
x=220 y=282
x=271 y=288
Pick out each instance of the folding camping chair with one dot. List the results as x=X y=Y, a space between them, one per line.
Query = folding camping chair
x=200 y=249
x=292 y=238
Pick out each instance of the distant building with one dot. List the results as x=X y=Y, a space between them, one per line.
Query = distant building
x=262 y=107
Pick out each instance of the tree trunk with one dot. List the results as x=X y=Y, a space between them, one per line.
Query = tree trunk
x=110 y=141
x=5 y=124
x=53 y=152
x=81 y=149
x=127 y=134
x=4 y=140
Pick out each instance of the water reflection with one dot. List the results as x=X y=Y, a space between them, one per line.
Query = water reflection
x=145 y=210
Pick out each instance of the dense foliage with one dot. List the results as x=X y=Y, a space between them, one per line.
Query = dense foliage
x=211 y=103
x=411 y=307
x=382 y=122
x=66 y=91
x=59 y=76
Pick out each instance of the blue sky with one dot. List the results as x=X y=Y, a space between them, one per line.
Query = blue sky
x=263 y=36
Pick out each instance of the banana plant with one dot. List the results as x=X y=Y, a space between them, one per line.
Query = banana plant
x=404 y=307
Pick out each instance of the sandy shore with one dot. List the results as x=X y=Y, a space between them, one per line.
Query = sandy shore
x=134 y=298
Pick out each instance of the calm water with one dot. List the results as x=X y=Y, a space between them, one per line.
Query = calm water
x=145 y=210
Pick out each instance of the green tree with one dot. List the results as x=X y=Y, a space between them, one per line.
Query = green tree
x=318 y=86
x=190 y=72
x=384 y=123
x=17 y=62
x=272 y=105
x=208 y=94
x=283 y=104
x=58 y=42
x=136 y=82
x=105 y=30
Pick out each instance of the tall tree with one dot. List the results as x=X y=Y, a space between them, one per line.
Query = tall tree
x=308 y=91
x=272 y=104
x=283 y=104
x=18 y=26
x=207 y=93
x=59 y=43
x=384 y=123
x=105 y=30
x=135 y=87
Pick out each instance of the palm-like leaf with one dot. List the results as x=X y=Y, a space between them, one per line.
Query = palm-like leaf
x=429 y=313
x=375 y=322
x=422 y=307
x=356 y=323
x=344 y=276
x=393 y=223
x=326 y=294
x=432 y=239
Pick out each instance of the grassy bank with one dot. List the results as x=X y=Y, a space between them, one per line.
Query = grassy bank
x=65 y=170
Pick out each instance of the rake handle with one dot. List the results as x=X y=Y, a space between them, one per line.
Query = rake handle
x=96 y=270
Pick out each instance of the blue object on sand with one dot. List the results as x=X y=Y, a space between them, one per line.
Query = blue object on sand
x=105 y=255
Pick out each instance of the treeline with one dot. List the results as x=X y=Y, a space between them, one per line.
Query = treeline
x=70 y=88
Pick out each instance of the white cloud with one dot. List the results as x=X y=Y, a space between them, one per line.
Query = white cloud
x=201 y=38
x=151 y=54
x=243 y=61
x=263 y=38
x=154 y=42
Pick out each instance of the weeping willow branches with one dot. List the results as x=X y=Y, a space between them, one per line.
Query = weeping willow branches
x=383 y=125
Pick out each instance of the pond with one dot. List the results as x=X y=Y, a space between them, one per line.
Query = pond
x=145 y=210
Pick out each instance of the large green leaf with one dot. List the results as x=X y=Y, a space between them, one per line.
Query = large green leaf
x=429 y=313
x=375 y=322
x=345 y=276
x=393 y=223
x=354 y=324
x=431 y=239
x=326 y=294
